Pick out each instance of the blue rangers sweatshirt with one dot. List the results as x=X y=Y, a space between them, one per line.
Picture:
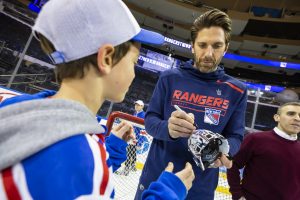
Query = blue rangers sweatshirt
x=218 y=102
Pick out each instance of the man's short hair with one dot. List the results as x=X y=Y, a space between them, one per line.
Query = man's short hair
x=211 y=18
x=287 y=104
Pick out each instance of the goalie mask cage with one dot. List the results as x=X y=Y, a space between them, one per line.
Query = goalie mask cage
x=126 y=178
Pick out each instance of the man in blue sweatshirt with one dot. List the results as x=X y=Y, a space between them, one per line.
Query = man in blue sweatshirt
x=207 y=96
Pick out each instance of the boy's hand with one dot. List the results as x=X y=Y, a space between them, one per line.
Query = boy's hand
x=186 y=175
x=124 y=131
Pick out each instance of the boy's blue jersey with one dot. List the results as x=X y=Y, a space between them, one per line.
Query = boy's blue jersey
x=77 y=167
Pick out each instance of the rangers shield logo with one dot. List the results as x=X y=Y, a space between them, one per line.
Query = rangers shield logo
x=212 y=116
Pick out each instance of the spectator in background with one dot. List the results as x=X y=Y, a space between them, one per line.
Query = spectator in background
x=215 y=100
x=270 y=160
x=139 y=109
x=130 y=163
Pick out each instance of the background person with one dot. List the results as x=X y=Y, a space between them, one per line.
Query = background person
x=130 y=163
x=270 y=160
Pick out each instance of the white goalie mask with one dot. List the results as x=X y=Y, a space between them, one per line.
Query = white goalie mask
x=206 y=147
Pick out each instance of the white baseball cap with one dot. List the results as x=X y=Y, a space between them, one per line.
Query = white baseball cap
x=78 y=28
x=139 y=102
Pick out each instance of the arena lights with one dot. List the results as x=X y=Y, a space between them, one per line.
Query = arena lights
x=262 y=61
x=242 y=58
x=154 y=62
x=271 y=88
x=36 y=5
x=178 y=43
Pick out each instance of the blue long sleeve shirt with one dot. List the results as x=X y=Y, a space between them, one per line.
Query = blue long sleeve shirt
x=69 y=166
x=218 y=103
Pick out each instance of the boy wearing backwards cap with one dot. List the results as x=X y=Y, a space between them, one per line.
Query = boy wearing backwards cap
x=49 y=153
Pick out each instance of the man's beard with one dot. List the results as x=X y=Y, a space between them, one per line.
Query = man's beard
x=205 y=68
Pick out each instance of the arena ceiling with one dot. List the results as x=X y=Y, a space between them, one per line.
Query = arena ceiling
x=251 y=38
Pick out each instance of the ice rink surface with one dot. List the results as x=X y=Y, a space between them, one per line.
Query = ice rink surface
x=125 y=186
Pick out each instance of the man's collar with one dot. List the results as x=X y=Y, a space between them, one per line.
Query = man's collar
x=285 y=135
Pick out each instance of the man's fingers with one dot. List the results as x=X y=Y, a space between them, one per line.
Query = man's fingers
x=182 y=115
x=180 y=129
x=182 y=123
x=217 y=163
x=170 y=167
x=225 y=161
x=178 y=114
x=192 y=116
x=176 y=134
x=222 y=161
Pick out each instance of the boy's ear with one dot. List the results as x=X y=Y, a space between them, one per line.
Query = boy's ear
x=105 y=58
